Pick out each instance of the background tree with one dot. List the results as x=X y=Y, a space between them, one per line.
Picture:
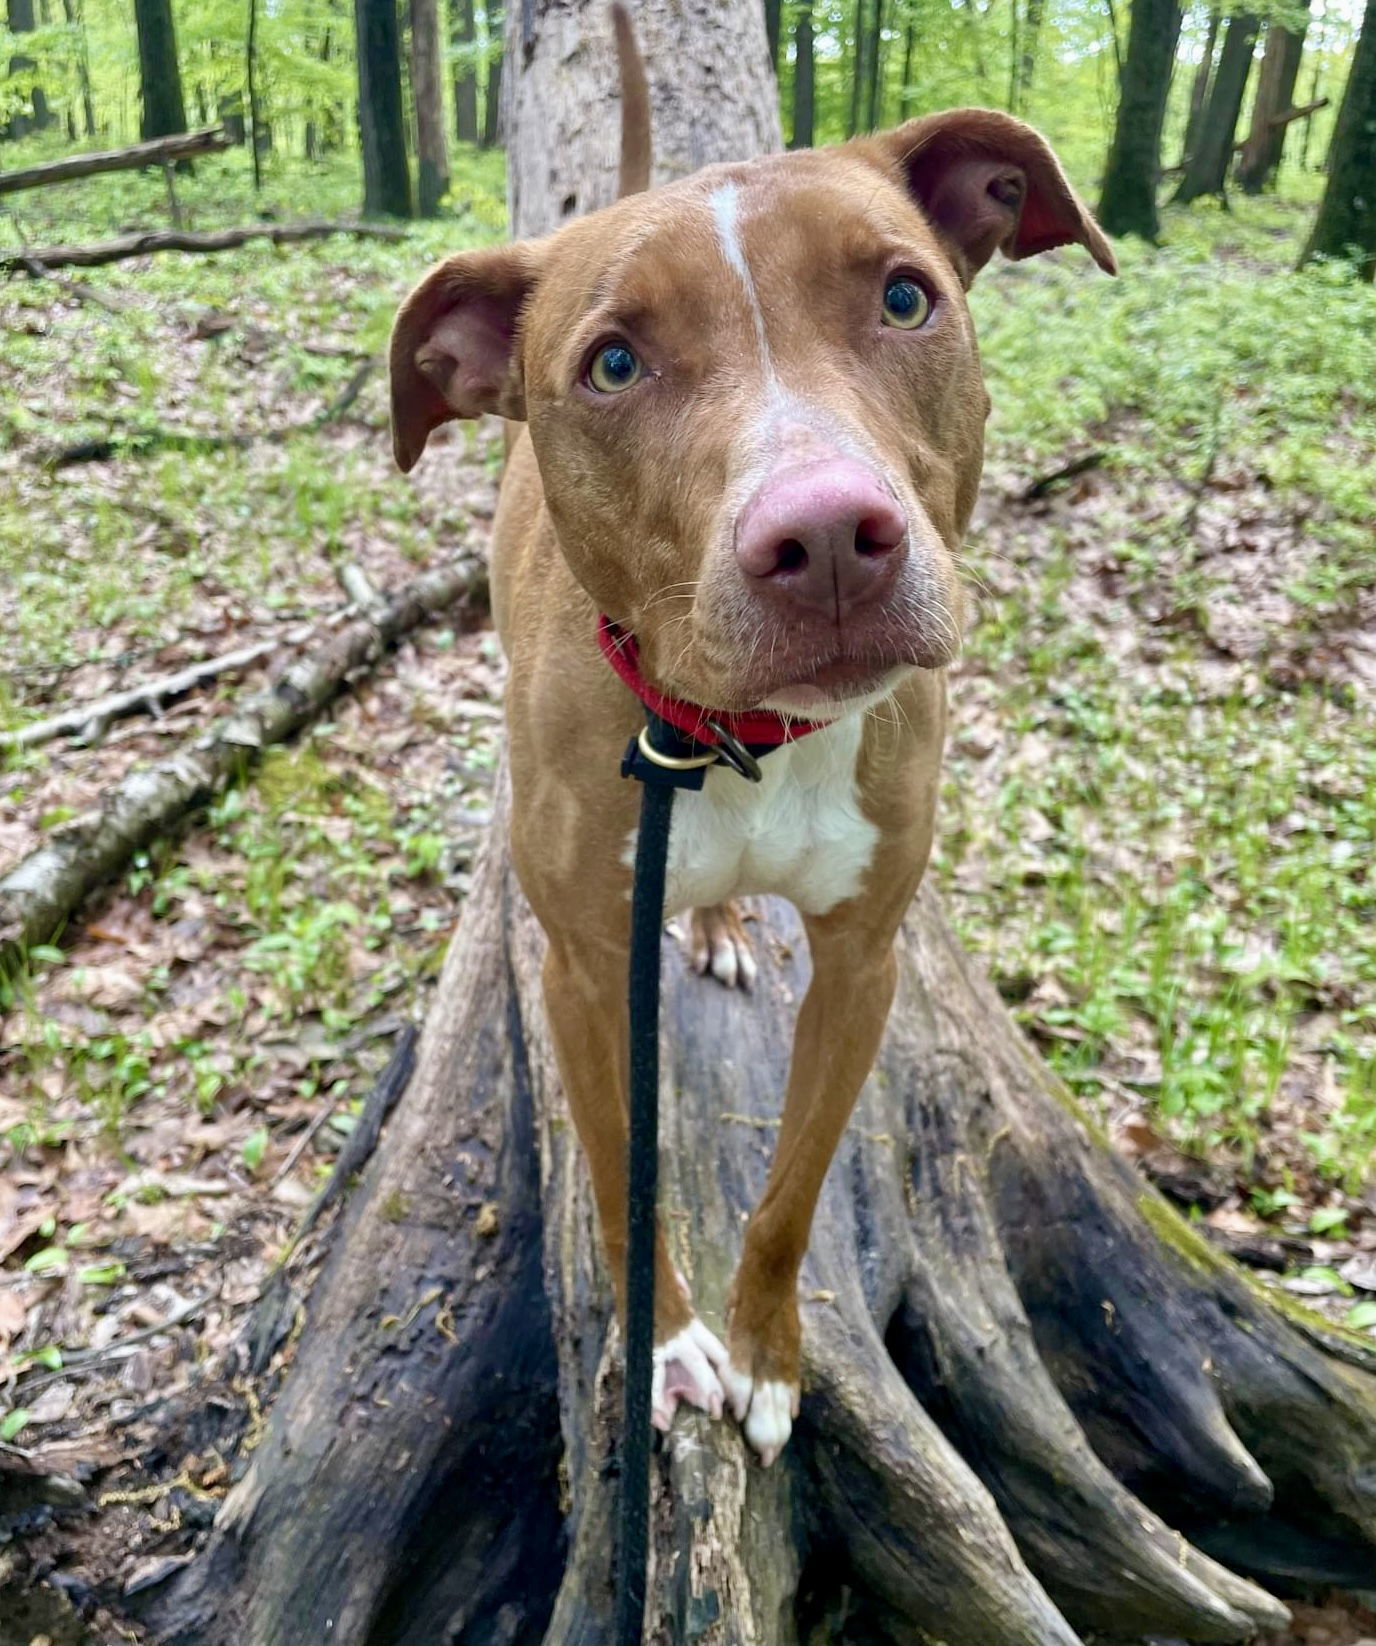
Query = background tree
x=20 y=18
x=1206 y=170
x=1200 y=83
x=1280 y=67
x=1346 y=223
x=804 y=79
x=463 y=36
x=492 y=95
x=76 y=22
x=773 y=24
x=427 y=88
x=381 y=126
x=160 y=75
x=1127 y=203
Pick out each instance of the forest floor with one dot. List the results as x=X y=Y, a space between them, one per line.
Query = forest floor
x=1159 y=804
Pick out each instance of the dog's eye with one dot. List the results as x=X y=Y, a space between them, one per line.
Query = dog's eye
x=906 y=305
x=614 y=367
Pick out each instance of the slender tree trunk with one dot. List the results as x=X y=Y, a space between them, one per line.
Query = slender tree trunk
x=1027 y=55
x=1206 y=171
x=72 y=11
x=906 y=100
x=1346 y=224
x=1199 y=87
x=160 y=78
x=19 y=15
x=1280 y=68
x=874 y=100
x=427 y=84
x=382 y=127
x=804 y=80
x=773 y=22
x=492 y=96
x=1315 y=85
x=462 y=35
x=1127 y=204
x=251 y=76
x=1017 y=1359
x=857 y=68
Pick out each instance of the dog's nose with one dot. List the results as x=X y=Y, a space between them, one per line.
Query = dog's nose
x=826 y=536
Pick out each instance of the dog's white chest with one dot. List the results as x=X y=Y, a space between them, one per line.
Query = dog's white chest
x=799 y=833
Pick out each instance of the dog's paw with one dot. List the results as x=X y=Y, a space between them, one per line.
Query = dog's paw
x=717 y=944
x=765 y=1408
x=689 y=1366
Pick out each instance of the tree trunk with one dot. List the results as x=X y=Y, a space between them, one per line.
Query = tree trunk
x=160 y=79
x=1206 y=170
x=1346 y=224
x=1017 y=1358
x=427 y=83
x=251 y=79
x=1280 y=67
x=773 y=22
x=905 y=95
x=1027 y=54
x=71 y=10
x=804 y=82
x=19 y=15
x=712 y=98
x=492 y=93
x=462 y=35
x=1128 y=202
x=382 y=129
x=1199 y=88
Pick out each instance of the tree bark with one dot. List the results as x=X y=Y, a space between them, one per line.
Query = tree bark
x=1027 y=54
x=1199 y=87
x=1019 y=1363
x=773 y=23
x=1206 y=170
x=427 y=84
x=137 y=155
x=1127 y=204
x=463 y=35
x=906 y=101
x=160 y=77
x=19 y=16
x=1265 y=144
x=492 y=93
x=712 y=97
x=71 y=10
x=804 y=81
x=382 y=130
x=1346 y=224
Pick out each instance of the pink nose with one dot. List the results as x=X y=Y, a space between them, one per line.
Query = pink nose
x=826 y=536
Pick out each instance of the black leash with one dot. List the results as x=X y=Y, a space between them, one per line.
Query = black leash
x=661 y=759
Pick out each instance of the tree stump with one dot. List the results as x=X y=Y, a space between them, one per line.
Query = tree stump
x=1036 y=1405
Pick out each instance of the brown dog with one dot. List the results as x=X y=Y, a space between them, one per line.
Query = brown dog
x=755 y=417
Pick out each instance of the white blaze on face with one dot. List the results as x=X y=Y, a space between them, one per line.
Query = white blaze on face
x=725 y=203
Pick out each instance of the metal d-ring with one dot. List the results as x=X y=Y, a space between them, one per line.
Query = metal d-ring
x=674 y=762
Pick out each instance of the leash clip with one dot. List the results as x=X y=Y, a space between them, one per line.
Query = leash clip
x=731 y=752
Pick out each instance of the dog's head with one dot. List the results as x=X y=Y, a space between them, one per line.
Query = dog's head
x=755 y=398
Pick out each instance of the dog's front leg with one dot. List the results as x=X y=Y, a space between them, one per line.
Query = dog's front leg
x=840 y=1026
x=585 y=1001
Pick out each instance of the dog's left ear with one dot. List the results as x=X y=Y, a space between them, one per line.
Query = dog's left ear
x=455 y=344
x=987 y=181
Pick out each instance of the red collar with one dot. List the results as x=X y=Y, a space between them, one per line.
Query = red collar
x=761 y=728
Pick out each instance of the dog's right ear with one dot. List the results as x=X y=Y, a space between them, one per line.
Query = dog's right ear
x=456 y=344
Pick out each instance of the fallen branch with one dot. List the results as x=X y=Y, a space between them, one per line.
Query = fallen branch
x=38 y=894
x=158 y=240
x=157 y=151
x=143 y=442
x=1067 y=471
x=74 y=288
x=90 y=719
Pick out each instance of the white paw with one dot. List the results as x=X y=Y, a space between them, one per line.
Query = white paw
x=767 y=1410
x=688 y=1367
x=717 y=944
